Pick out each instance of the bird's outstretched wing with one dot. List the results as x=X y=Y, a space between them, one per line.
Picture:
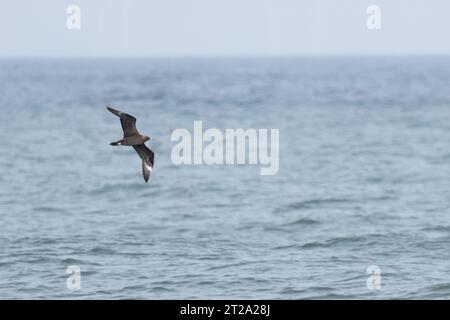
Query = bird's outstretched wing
x=128 y=122
x=147 y=157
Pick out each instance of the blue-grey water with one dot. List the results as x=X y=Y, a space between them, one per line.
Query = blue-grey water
x=364 y=179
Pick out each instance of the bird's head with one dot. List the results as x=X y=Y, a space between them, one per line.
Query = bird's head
x=148 y=138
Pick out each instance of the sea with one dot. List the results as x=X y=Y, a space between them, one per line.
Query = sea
x=359 y=208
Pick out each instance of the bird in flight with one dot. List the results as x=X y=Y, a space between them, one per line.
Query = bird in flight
x=132 y=137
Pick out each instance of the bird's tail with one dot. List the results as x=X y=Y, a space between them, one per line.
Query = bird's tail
x=116 y=143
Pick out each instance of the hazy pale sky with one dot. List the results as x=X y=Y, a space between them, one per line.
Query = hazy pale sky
x=223 y=27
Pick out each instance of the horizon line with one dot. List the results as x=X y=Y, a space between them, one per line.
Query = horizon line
x=222 y=56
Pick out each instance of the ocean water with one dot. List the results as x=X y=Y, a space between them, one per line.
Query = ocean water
x=364 y=179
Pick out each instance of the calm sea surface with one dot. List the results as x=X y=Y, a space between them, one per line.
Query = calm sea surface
x=364 y=179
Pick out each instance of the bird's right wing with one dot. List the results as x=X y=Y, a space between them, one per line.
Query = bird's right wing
x=147 y=157
x=127 y=121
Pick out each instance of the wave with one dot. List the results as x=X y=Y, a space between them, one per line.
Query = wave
x=442 y=287
x=101 y=250
x=74 y=261
x=437 y=228
x=310 y=204
x=302 y=221
x=331 y=242
x=320 y=203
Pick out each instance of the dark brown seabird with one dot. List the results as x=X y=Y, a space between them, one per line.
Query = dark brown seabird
x=132 y=137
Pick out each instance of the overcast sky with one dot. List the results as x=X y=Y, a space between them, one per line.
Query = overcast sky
x=223 y=27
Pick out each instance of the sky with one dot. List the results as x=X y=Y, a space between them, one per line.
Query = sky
x=222 y=27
